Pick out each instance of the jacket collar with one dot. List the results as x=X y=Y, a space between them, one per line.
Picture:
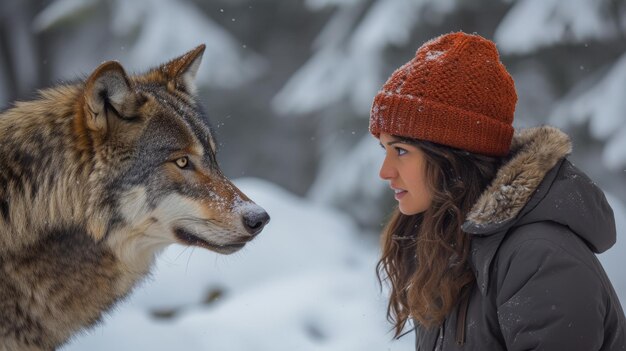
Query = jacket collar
x=519 y=185
x=534 y=152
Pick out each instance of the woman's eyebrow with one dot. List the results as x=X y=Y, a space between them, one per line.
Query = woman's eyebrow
x=395 y=142
x=391 y=143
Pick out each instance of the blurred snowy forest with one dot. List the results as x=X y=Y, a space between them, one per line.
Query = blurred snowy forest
x=288 y=86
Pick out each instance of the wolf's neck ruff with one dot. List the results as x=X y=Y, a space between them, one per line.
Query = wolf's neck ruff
x=45 y=171
x=92 y=187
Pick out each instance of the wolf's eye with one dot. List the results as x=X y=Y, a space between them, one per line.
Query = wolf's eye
x=182 y=162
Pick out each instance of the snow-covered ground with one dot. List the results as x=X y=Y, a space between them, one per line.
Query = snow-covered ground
x=307 y=283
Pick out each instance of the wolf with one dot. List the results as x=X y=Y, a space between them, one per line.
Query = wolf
x=96 y=178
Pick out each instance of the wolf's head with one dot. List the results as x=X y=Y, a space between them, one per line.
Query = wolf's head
x=156 y=156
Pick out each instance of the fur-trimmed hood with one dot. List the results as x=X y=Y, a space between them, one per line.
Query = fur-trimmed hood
x=537 y=183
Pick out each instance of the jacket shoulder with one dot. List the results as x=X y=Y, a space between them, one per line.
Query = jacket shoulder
x=542 y=253
x=546 y=237
x=550 y=291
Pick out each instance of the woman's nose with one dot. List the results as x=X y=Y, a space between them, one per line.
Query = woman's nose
x=387 y=171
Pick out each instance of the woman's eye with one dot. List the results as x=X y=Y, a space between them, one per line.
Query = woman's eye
x=182 y=162
x=400 y=151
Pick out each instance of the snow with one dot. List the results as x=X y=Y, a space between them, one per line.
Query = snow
x=602 y=105
x=533 y=24
x=60 y=10
x=374 y=33
x=614 y=259
x=348 y=63
x=170 y=28
x=321 y=4
x=614 y=154
x=159 y=30
x=433 y=55
x=323 y=80
x=306 y=283
x=349 y=177
x=247 y=208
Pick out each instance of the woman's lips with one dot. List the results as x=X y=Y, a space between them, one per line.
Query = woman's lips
x=399 y=193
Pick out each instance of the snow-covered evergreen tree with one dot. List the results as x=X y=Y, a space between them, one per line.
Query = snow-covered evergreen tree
x=351 y=60
x=142 y=33
x=598 y=100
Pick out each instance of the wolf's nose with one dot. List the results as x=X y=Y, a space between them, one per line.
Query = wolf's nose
x=255 y=221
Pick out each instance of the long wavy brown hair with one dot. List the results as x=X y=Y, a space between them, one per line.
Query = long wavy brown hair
x=425 y=256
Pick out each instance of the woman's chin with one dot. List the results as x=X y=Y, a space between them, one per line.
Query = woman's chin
x=410 y=210
x=407 y=211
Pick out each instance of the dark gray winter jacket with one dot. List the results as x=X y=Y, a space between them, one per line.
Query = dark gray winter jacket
x=539 y=285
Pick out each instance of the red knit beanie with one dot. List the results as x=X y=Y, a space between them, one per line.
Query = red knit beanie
x=455 y=92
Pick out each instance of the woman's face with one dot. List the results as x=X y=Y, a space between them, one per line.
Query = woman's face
x=405 y=169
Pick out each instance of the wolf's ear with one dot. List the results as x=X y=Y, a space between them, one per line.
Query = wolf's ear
x=108 y=91
x=182 y=70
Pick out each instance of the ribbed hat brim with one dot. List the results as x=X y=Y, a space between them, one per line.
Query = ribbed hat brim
x=418 y=118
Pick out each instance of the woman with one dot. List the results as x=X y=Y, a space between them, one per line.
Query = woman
x=493 y=244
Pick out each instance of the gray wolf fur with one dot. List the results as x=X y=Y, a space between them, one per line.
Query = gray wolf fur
x=96 y=178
